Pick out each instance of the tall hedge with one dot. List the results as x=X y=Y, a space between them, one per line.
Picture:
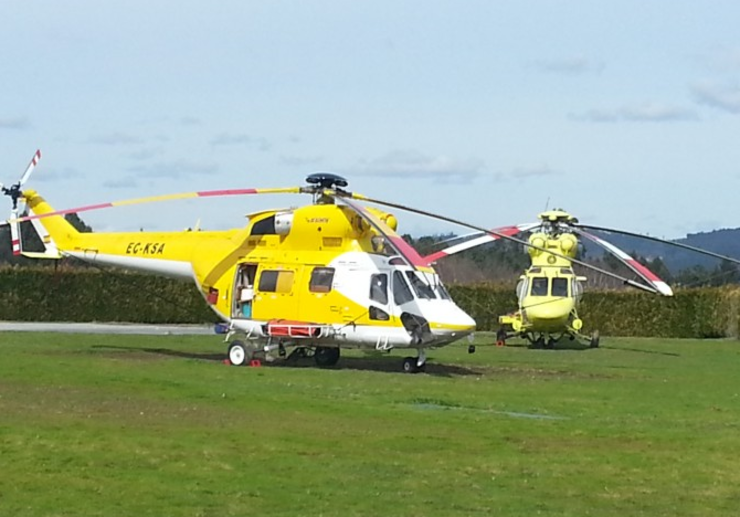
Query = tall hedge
x=95 y=295
x=47 y=294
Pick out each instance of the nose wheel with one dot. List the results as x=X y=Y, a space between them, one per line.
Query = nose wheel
x=415 y=364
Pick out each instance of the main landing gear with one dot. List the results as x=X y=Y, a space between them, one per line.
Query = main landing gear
x=326 y=356
x=415 y=364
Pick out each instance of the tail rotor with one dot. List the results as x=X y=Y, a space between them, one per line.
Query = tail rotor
x=15 y=192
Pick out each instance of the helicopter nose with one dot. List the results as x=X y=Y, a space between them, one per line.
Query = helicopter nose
x=448 y=322
x=554 y=312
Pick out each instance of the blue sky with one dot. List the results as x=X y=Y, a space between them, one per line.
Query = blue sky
x=625 y=113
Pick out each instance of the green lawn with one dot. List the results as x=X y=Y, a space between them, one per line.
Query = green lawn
x=157 y=425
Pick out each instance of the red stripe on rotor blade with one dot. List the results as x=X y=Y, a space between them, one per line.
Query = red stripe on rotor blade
x=644 y=271
x=408 y=251
x=506 y=230
x=67 y=211
x=228 y=192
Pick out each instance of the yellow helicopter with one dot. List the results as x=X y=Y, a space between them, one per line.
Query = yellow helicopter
x=549 y=291
x=329 y=275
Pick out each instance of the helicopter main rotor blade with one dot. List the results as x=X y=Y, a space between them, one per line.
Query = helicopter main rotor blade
x=626 y=259
x=166 y=197
x=401 y=247
x=625 y=280
x=483 y=239
x=662 y=241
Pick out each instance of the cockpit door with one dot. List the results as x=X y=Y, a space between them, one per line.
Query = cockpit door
x=380 y=308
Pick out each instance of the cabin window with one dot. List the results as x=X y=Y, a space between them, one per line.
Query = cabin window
x=539 y=286
x=376 y=313
x=379 y=288
x=401 y=291
x=276 y=281
x=321 y=279
x=560 y=287
x=421 y=288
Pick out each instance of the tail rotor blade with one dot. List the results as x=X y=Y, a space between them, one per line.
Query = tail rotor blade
x=29 y=169
x=15 y=233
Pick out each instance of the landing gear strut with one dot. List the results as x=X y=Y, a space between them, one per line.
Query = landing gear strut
x=594 y=343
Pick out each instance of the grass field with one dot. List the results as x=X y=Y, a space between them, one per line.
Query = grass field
x=157 y=425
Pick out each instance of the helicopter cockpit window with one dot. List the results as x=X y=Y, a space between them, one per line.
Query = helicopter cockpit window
x=321 y=279
x=559 y=287
x=421 y=288
x=441 y=291
x=264 y=227
x=379 y=288
x=539 y=286
x=276 y=281
x=401 y=290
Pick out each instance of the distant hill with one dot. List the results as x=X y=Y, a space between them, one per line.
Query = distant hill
x=724 y=241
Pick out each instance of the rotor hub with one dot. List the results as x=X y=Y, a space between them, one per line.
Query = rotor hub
x=326 y=180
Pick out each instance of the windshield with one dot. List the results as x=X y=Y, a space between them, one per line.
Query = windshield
x=560 y=287
x=421 y=288
x=539 y=286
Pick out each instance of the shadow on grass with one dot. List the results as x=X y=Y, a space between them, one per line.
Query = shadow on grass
x=560 y=345
x=389 y=364
x=642 y=351
x=134 y=352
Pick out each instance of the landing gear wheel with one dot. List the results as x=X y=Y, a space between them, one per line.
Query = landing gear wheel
x=237 y=353
x=594 y=343
x=501 y=337
x=326 y=356
x=409 y=365
x=550 y=344
x=538 y=343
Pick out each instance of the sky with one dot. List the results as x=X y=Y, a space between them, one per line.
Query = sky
x=624 y=113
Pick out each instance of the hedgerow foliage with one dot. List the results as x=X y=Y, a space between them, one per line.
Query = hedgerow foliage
x=83 y=295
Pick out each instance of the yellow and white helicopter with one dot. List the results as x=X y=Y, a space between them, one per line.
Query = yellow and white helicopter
x=549 y=291
x=333 y=274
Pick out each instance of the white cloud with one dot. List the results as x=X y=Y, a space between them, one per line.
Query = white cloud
x=405 y=164
x=523 y=173
x=301 y=161
x=724 y=97
x=127 y=182
x=55 y=175
x=260 y=143
x=146 y=153
x=116 y=138
x=175 y=170
x=14 y=123
x=645 y=112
